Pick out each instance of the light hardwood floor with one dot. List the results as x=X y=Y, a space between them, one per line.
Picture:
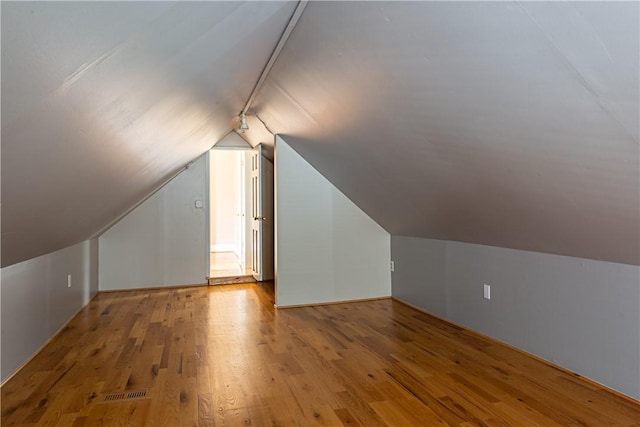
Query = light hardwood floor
x=224 y=356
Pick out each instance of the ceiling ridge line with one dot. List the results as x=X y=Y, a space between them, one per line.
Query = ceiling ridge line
x=295 y=16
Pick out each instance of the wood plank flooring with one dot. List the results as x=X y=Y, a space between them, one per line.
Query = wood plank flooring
x=224 y=356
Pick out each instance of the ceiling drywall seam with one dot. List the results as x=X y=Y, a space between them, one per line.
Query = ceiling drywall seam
x=297 y=13
x=263 y=123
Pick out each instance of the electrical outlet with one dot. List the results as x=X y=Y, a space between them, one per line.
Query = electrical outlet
x=393 y=266
x=68 y=280
x=487 y=291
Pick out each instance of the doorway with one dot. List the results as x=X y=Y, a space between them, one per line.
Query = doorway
x=229 y=214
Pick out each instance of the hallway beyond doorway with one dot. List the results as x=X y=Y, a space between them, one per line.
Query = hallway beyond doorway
x=226 y=264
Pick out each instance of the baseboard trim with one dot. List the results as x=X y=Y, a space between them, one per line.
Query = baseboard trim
x=223 y=247
x=331 y=302
x=562 y=369
x=48 y=341
x=151 y=288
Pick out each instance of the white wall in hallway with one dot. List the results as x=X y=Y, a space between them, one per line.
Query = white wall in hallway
x=224 y=190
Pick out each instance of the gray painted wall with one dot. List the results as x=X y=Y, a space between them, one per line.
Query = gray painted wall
x=419 y=276
x=36 y=300
x=581 y=314
x=162 y=242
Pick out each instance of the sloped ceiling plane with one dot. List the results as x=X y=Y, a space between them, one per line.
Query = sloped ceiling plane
x=512 y=124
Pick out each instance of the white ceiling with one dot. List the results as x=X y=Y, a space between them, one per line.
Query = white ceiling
x=511 y=124
x=104 y=101
x=501 y=123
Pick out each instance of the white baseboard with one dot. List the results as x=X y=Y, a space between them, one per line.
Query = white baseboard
x=222 y=247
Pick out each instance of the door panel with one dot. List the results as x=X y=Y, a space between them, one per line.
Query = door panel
x=262 y=212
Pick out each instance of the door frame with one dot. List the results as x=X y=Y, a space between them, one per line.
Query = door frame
x=207 y=212
x=208 y=201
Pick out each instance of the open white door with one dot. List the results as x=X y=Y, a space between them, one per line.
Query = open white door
x=262 y=212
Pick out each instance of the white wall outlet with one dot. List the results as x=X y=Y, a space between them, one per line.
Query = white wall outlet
x=393 y=266
x=68 y=280
x=199 y=204
x=487 y=291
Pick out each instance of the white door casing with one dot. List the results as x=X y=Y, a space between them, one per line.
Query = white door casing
x=241 y=211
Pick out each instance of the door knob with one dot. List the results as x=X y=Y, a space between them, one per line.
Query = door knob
x=259 y=218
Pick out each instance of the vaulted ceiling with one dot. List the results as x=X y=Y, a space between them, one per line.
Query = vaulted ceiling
x=102 y=102
x=511 y=124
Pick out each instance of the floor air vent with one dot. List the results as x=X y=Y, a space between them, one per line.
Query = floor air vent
x=136 y=394
x=112 y=397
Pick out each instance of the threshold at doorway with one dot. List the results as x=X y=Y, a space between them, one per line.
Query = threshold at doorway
x=231 y=280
